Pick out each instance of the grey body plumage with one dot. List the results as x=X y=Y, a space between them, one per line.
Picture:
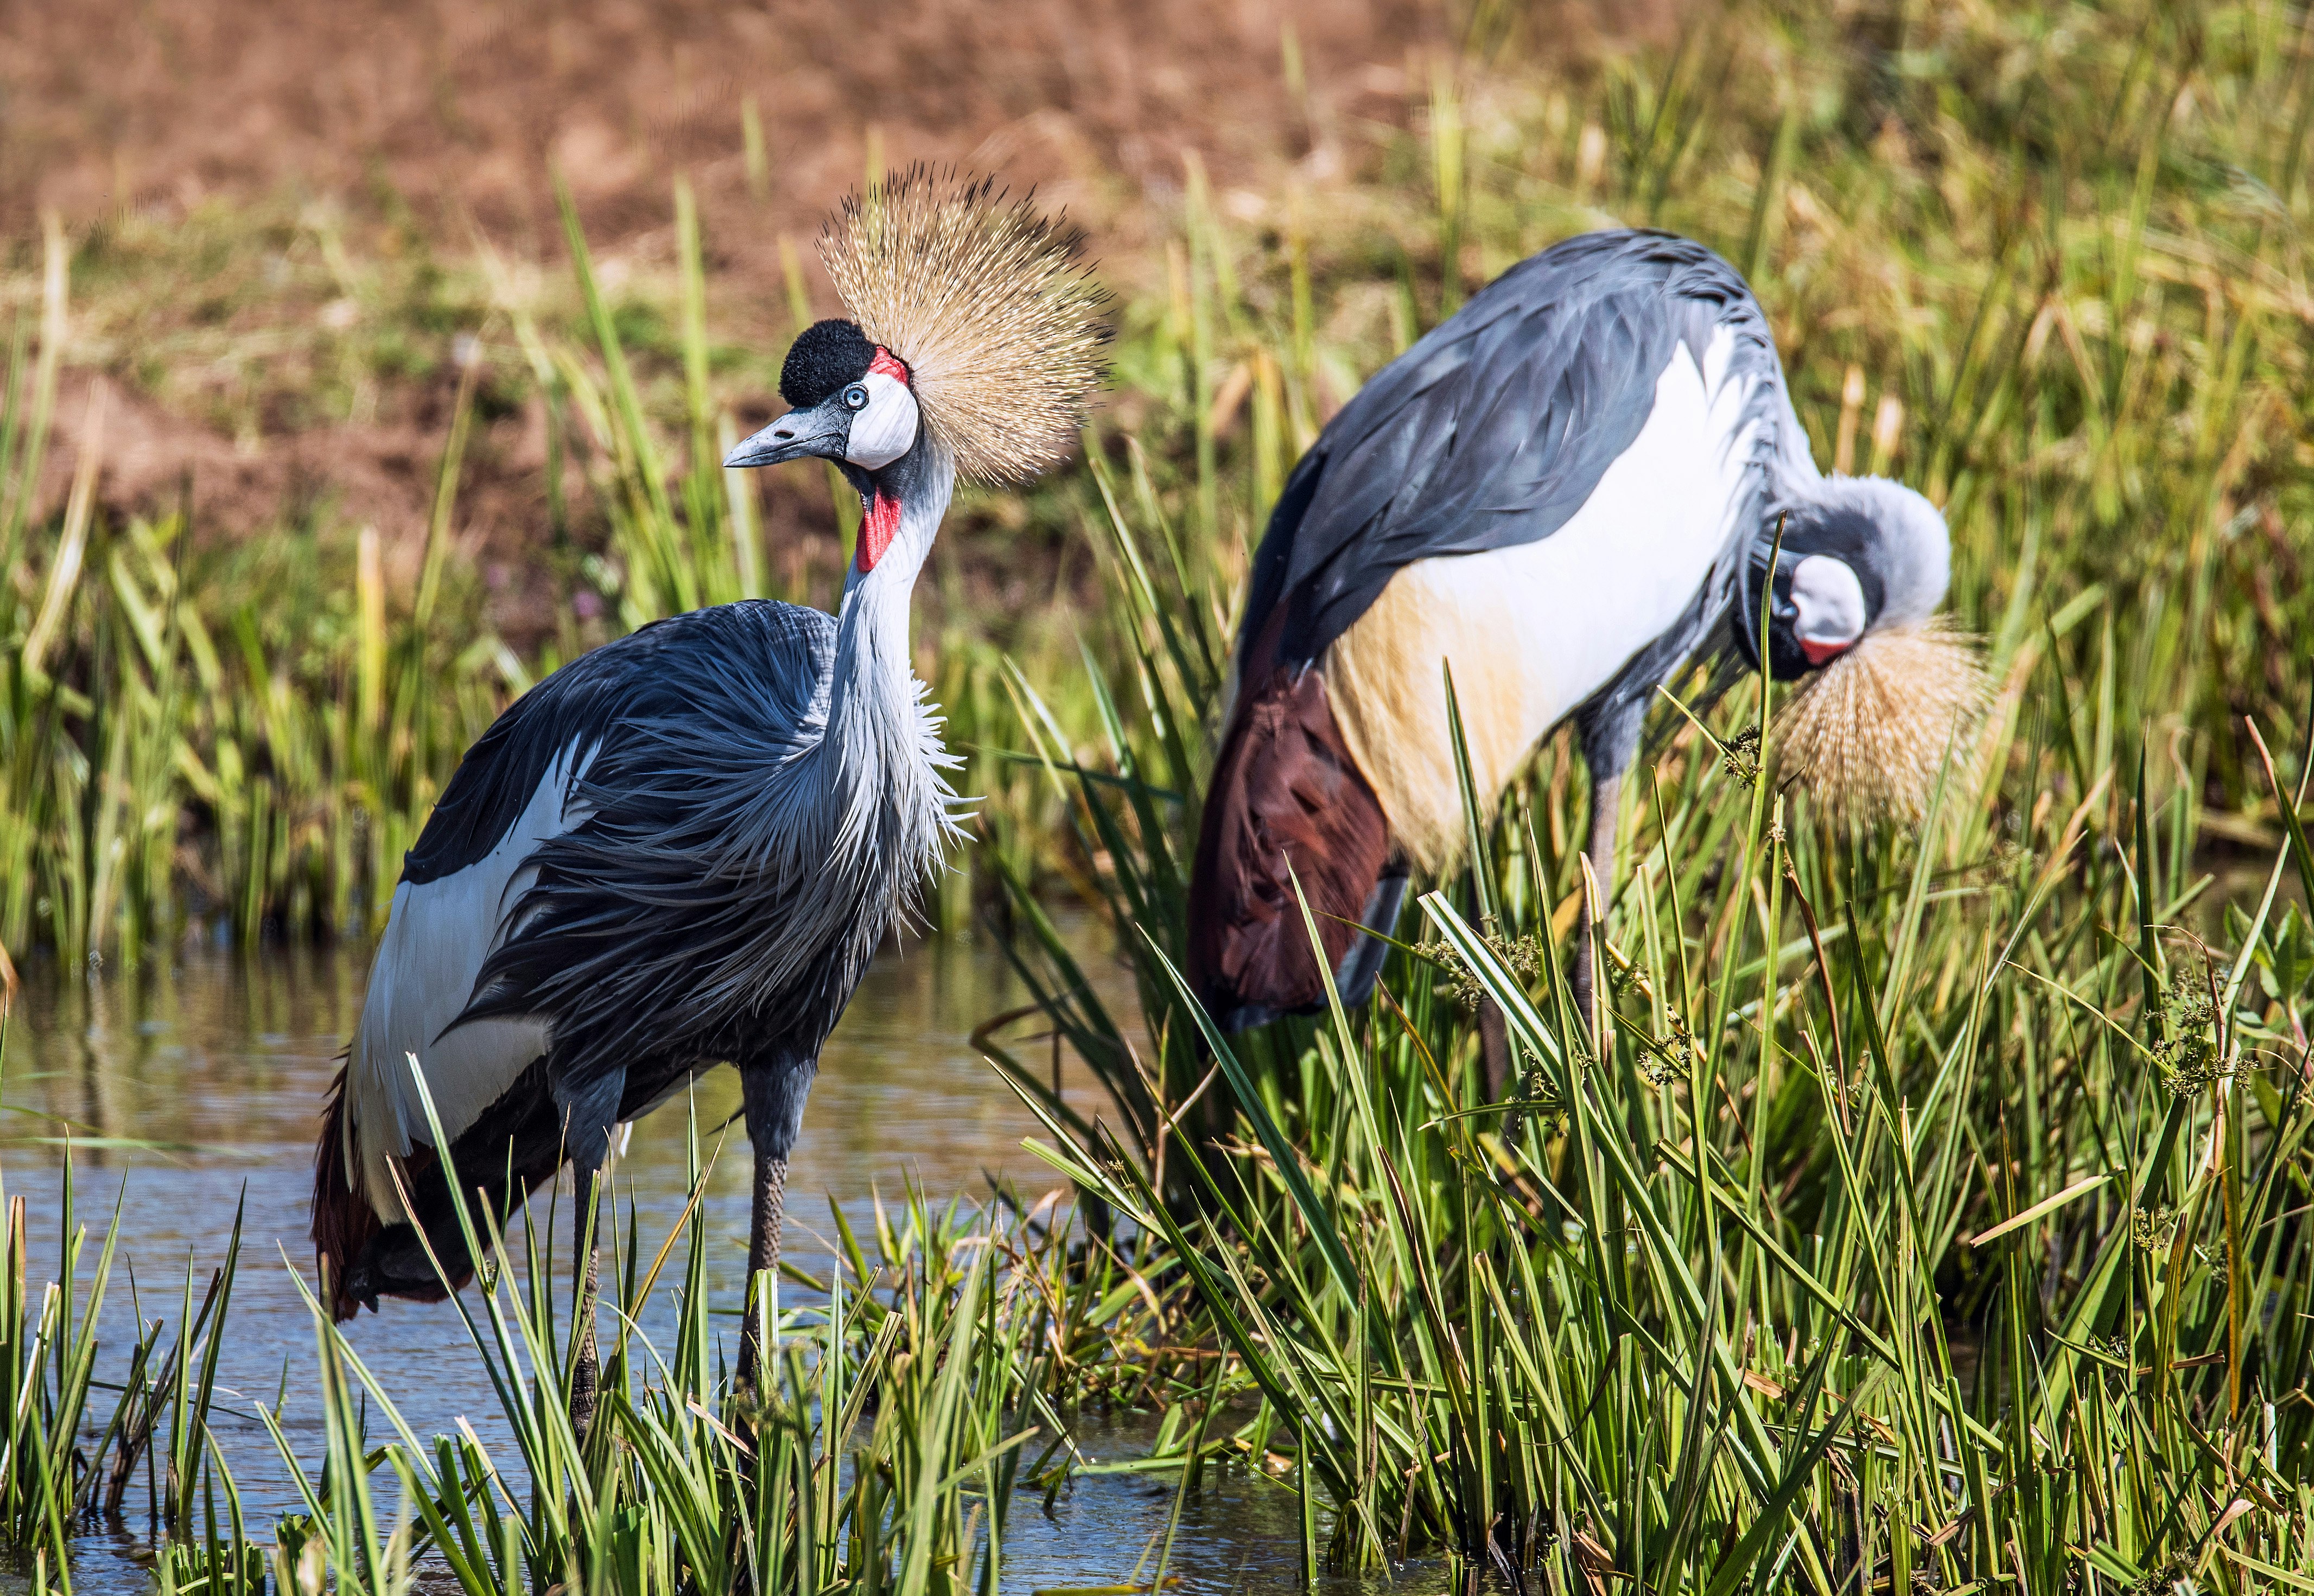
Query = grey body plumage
x=1495 y=427
x=1495 y=430
x=761 y=793
x=761 y=812
x=684 y=848
x=1540 y=436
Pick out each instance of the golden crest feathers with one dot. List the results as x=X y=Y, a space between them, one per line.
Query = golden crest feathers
x=988 y=302
x=1867 y=734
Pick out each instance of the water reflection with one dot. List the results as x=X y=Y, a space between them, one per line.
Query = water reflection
x=191 y=1091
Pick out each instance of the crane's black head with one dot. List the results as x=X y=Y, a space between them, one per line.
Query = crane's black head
x=1862 y=555
x=825 y=356
x=853 y=401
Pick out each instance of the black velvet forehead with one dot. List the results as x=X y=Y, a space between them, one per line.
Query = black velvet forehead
x=824 y=357
x=1831 y=529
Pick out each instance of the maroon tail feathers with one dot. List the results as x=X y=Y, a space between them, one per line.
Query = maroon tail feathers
x=1285 y=791
x=345 y=1226
x=508 y=1153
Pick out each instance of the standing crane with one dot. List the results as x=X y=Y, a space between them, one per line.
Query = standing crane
x=683 y=848
x=1564 y=491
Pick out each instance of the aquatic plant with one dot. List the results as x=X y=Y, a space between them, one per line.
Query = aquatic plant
x=68 y=1462
x=920 y=1383
x=1929 y=1212
x=1931 y=1215
x=882 y=1460
x=2037 y=261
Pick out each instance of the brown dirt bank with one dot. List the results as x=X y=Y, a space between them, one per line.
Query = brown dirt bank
x=464 y=105
x=191 y=146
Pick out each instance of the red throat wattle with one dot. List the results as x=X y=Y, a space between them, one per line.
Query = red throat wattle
x=881 y=522
x=878 y=527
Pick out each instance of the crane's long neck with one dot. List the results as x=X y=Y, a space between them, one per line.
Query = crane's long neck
x=881 y=763
x=874 y=671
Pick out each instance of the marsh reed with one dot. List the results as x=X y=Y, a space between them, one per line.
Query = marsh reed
x=1931 y=1213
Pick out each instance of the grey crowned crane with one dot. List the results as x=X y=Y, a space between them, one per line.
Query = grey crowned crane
x=683 y=848
x=1566 y=491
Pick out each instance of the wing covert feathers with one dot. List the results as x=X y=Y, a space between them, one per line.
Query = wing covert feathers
x=1284 y=792
x=1496 y=428
x=1386 y=680
x=1867 y=734
x=988 y=302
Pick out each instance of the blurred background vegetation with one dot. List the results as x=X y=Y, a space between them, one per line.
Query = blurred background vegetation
x=303 y=483
x=1933 y=1212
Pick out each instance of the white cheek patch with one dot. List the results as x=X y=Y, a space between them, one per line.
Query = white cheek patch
x=887 y=428
x=1831 y=604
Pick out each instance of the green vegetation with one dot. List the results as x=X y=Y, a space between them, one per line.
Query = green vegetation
x=884 y=1459
x=1934 y=1211
x=2043 y=264
x=925 y=1382
x=1934 y=1214
x=255 y=738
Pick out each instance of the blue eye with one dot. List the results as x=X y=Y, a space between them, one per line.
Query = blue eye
x=855 y=397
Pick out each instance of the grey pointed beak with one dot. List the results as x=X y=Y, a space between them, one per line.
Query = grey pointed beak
x=823 y=431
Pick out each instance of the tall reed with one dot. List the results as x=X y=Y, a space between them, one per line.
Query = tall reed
x=2067 y=307
x=922 y=1381
x=1931 y=1214
x=102 y=1429
x=881 y=1459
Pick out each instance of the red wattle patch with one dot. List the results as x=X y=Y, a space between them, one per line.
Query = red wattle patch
x=1818 y=653
x=890 y=365
x=878 y=527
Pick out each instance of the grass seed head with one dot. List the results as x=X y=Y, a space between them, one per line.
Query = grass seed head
x=988 y=302
x=1868 y=733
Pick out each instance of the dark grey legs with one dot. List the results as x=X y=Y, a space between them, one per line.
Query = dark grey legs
x=1608 y=728
x=1606 y=797
x=1493 y=1048
x=762 y=1258
x=1362 y=964
x=585 y=1369
x=1494 y=1038
x=590 y=1119
x=773 y=1091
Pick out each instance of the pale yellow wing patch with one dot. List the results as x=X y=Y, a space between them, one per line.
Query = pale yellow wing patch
x=1386 y=682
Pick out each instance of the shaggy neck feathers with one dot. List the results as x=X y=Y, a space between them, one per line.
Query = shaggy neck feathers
x=882 y=757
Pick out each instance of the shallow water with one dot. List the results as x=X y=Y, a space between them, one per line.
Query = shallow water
x=189 y=1090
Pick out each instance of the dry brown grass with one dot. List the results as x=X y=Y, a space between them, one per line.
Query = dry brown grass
x=138 y=103
x=274 y=207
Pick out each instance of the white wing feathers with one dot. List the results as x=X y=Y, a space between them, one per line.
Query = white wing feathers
x=435 y=939
x=1532 y=630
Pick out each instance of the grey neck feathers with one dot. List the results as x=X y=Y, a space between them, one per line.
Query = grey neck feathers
x=1909 y=548
x=882 y=757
